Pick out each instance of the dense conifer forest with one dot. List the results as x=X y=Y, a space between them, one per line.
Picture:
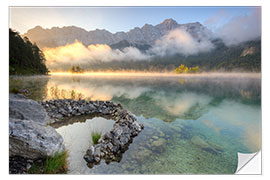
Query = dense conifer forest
x=25 y=57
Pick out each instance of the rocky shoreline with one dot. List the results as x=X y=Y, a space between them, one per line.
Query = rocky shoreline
x=112 y=144
x=32 y=136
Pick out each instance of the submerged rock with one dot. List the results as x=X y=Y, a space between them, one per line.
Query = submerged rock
x=33 y=140
x=158 y=142
x=161 y=134
x=207 y=146
x=142 y=154
x=216 y=147
x=198 y=141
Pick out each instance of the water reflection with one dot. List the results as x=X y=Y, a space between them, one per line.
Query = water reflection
x=161 y=97
x=77 y=139
x=192 y=124
x=36 y=85
x=54 y=92
x=246 y=119
x=180 y=103
x=91 y=88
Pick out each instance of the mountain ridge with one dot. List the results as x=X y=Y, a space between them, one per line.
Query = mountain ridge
x=245 y=56
x=147 y=34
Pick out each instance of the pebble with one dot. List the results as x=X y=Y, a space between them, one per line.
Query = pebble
x=17 y=165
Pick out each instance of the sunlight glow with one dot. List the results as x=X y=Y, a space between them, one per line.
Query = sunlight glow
x=157 y=74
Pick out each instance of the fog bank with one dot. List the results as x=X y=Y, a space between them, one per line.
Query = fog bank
x=241 y=28
x=177 y=41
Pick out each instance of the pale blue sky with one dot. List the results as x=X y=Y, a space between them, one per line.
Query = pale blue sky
x=116 y=19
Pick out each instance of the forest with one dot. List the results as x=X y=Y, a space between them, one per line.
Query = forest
x=222 y=58
x=25 y=57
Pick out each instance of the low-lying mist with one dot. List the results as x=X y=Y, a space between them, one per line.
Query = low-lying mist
x=77 y=53
x=124 y=74
x=176 y=41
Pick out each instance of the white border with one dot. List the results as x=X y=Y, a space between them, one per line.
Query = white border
x=135 y=3
x=265 y=74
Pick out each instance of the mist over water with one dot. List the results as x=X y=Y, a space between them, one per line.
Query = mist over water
x=193 y=124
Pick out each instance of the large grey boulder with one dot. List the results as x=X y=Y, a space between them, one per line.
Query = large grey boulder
x=27 y=109
x=33 y=140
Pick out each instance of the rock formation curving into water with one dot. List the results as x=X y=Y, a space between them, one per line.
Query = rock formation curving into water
x=112 y=144
x=32 y=137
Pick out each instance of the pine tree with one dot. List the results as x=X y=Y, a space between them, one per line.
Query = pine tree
x=25 y=57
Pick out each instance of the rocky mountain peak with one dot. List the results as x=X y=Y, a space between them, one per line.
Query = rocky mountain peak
x=147 y=34
x=147 y=26
x=169 y=21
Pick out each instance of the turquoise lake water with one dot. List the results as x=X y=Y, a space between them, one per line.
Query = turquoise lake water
x=193 y=124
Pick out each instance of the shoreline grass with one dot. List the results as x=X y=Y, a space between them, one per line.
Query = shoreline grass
x=95 y=137
x=56 y=164
x=14 y=90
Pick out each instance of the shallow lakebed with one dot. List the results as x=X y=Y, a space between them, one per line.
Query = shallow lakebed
x=192 y=124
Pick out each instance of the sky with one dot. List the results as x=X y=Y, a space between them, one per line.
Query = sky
x=115 y=19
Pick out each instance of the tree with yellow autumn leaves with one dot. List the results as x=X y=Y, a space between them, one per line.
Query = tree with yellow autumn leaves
x=184 y=69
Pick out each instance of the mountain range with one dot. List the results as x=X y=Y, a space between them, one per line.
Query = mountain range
x=146 y=35
x=244 y=56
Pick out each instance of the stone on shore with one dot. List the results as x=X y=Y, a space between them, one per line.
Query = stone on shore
x=30 y=136
x=33 y=140
x=27 y=109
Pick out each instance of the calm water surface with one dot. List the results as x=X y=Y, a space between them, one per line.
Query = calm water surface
x=193 y=124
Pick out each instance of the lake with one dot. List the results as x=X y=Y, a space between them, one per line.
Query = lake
x=193 y=124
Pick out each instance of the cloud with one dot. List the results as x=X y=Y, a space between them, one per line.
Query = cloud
x=179 y=104
x=177 y=41
x=180 y=41
x=77 y=53
x=241 y=28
